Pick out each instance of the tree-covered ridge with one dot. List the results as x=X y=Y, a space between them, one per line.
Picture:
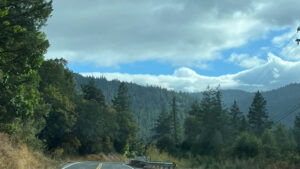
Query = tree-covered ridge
x=147 y=101
x=46 y=106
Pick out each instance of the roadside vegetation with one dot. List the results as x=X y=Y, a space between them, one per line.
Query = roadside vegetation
x=45 y=121
x=214 y=137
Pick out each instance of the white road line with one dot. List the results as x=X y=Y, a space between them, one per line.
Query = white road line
x=127 y=166
x=69 y=165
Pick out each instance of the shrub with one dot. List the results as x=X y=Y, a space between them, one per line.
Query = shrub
x=247 y=146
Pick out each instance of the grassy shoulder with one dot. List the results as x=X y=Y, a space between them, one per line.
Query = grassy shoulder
x=19 y=156
x=16 y=155
x=208 y=162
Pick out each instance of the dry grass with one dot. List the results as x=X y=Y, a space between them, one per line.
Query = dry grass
x=154 y=155
x=20 y=157
x=101 y=157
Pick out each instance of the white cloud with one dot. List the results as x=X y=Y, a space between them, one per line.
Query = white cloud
x=109 y=33
x=287 y=45
x=291 y=51
x=281 y=40
x=272 y=74
x=245 y=61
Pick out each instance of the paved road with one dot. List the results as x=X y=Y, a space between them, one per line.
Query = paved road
x=94 y=165
x=115 y=166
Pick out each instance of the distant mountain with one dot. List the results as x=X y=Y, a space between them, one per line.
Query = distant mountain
x=147 y=101
x=283 y=103
x=274 y=73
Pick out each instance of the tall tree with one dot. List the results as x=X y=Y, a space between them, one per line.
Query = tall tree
x=22 y=49
x=163 y=125
x=297 y=131
x=205 y=125
x=175 y=124
x=258 y=115
x=235 y=119
x=91 y=92
x=58 y=90
x=128 y=127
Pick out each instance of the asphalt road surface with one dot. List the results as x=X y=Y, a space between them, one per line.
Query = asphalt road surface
x=95 y=165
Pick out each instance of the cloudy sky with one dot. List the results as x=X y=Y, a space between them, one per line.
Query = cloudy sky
x=180 y=44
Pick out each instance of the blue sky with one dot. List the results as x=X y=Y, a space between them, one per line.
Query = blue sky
x=181 y=45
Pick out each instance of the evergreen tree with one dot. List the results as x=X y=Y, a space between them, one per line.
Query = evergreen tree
x=58 y=90
x=258 y=115
x=235 y=119
x=175 y=124
x=90 y=92
x=192 y=125
x=128 y=128
x=205 y=127
x=297 y=131
x=121 y=102
x=163 y=125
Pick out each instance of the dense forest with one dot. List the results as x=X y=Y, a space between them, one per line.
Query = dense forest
x=148 y=101
x=46 y=106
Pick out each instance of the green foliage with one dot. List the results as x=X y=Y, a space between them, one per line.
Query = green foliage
x=175 y=128
x=57 y=87
x=163 y=126
x=206 y=127
x=90 y=92
x=296 y=131
x=235 y=119
x=247 y=146
x=269 y=144
x=145 y=102
x=284 y=142
x=22 y=46
x=128 y=128
x=258 y=115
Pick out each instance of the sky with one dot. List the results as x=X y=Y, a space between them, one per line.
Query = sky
x=182 y=45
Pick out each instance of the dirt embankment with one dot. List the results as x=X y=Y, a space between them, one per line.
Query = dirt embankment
x=19 y=156
x=13 y=156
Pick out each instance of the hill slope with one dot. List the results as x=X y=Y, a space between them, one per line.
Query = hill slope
x=147 y=101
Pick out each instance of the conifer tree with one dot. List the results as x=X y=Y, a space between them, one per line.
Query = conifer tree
x=235 y=119
x=128 y=127
x=175 y=124
x=91 y=92
x=258 y=115
x=163 y=125
x=297 y=130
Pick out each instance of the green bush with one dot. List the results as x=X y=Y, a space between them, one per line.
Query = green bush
x=247 y=146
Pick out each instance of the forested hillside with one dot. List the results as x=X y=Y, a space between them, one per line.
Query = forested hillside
x=148 y=102
x=283 y=104
x=48 y=109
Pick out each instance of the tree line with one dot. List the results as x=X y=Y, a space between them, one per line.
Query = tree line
x=39 y=104
x=212 y=131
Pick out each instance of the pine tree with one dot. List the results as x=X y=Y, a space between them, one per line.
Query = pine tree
x=121 y=102
x=258 y=115
x=175 y=124
x=91 y=92
x=57 y=87
x=297 y=130
x=235 y=119
x=128 y=127
x=163 y=125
